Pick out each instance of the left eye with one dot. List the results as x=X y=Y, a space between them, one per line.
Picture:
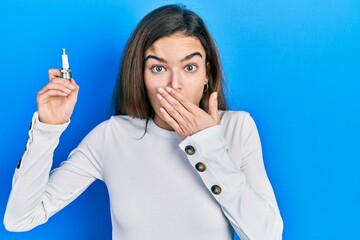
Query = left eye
x=190 y=68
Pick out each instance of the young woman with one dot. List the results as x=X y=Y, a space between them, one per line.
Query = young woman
x=176 y=163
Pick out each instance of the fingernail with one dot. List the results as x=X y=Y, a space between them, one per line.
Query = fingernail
x=159 y=96
x=168 y=89
x=161 y=90
x=72 y=87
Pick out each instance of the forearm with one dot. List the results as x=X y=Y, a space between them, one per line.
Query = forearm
x=253 y=214
x=25 y=208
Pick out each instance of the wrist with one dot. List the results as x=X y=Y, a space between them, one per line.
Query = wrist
x=52 y=121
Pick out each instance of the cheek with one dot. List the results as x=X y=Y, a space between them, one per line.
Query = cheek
x=195 y=88
x=151 y=92
x=198 y=94
x=193 y=91
x=151 y=85
x=153 y=82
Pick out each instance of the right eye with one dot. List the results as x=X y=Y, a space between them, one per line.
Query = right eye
x=157 y=69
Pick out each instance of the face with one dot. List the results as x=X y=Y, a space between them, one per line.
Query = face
x=177 y=61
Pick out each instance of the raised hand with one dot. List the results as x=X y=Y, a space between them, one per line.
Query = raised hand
x=185 y=117
x=56 y=101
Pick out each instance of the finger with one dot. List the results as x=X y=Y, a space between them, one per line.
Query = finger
x=171 y=102
x=53 y=85
x=54 y=73
x=73 y=95
x=50 y=93
x=73 y=81
x=177 y=101
x=213 y=107
x=68 y=84
x=185 y=103
x=189 y=111
x=170 y=107
x=73 y=84
x=172 y=123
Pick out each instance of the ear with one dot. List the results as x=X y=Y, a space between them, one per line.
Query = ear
x=208 y=67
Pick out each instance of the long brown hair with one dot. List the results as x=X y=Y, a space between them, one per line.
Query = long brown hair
x=130 y=97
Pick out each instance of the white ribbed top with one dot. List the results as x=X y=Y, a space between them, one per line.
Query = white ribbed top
x=155 y=190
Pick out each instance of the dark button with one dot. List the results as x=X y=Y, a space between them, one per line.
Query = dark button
x=190 y=150
x=19 y=164
x=216 y=189
x=200 y=167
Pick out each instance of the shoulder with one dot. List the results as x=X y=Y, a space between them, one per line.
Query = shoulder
x=234 y=117
x=240 y=131
x=122 y=125
x=119 y=126
x=237 y=121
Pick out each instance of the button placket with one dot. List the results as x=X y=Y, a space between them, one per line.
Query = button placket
x=201 y=167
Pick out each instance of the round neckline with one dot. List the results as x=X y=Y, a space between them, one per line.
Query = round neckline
x=155 y=129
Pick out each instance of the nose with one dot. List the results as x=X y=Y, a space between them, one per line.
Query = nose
x=175 y=81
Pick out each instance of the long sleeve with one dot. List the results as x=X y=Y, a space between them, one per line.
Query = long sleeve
x=36 y=193
x=228 y=158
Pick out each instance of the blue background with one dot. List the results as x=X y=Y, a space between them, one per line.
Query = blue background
x=294 y=65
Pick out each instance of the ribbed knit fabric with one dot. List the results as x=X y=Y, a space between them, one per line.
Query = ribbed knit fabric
x=155 y=189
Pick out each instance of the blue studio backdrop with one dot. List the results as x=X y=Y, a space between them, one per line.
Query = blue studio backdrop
x=294 y=65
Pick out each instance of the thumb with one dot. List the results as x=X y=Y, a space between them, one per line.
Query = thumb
x=213 y=107
x=74 y=94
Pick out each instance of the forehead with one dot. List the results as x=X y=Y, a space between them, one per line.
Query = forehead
x=175 y=45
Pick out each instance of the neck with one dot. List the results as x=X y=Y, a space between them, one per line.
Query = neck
x=162 y=124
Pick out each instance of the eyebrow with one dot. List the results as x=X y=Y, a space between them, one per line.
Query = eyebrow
x=188 y=57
